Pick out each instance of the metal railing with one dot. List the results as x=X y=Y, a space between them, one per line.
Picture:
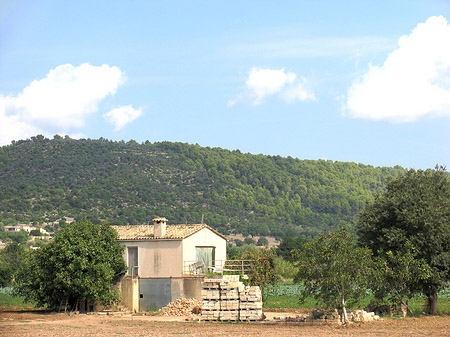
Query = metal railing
x=220 y=266
x=133 y=271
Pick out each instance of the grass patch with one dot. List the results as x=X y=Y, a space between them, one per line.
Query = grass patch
x=417 y=303
x=290 y=303
x=287 y=302
x=11 y=302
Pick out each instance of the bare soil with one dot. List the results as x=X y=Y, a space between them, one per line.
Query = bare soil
x=60 y=324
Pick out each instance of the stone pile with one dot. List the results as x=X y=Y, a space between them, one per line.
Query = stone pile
x=227 y=299
x=181 y=307
x=362 y=316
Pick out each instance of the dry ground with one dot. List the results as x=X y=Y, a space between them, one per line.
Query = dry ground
x=53 y=324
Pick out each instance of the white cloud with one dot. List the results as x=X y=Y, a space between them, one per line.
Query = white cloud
x=413 y=82
x=59 y=103
x=120 y=117
x=262 y=83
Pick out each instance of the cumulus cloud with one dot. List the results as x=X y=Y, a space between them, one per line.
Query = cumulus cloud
x=120 y=117
x=59 y=103
x=262 y=83
x=413 y=82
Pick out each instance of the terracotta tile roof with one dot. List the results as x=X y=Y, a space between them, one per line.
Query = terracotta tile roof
x=146 y=232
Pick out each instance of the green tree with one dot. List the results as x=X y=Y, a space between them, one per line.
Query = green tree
x=334 y=270
x=261 y=271
x=262 y=241
x=414 y=208
x=80 y=264
x=290 y=243
x=398 y=276
x=10 y=259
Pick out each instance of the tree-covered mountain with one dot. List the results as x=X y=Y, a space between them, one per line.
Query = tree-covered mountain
x=130 y=183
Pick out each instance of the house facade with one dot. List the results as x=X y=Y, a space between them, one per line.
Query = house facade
x=166 y=262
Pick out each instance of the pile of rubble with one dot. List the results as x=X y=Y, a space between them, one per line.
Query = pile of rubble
x=227 y=299
x=182 y=307
x=362 y=316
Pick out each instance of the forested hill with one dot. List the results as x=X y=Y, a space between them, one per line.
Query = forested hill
x=130 y=183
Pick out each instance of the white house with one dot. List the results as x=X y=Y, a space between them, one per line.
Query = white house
x=166 y=262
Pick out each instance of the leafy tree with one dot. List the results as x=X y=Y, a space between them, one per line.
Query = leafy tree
x=414 y=208
x=10 y=259
x=398 y=275
x=290 y=243
x=239 y=243
x=262 y=241
x=36 y=232
x=261 y=271
x=80 y=264
x=18 y=237
x=249 y=241
x=334 y=270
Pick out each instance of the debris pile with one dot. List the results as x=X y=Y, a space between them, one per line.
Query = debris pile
x=227 y=299
x=182 y=307
x=363 y=316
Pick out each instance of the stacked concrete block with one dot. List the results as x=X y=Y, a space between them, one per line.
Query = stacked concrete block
x=250 y=304
x=227 y=299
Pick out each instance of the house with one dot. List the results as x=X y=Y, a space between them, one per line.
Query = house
x=166 y=262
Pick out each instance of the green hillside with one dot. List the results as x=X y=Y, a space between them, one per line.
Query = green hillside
x=130 y=183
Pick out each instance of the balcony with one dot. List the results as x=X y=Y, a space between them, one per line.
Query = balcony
x=228 y=267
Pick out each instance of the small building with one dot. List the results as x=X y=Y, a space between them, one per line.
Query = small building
x=12 y=228
x=166 y=262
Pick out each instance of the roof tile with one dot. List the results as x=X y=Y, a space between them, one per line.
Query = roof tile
x=146 y=232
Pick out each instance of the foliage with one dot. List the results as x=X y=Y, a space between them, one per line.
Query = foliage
x=36 y=232
x=262 y=241
x=290 y=243
x=9 y=301
x=81 y=263
x=249 y=241
x=334 y=270
x=10 y=259
x=399 y=274
x=16 y=237
x=44 y=180
x=262 y=269
x=414 y=208
x=285 y=269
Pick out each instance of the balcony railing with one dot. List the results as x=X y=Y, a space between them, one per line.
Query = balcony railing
x=220 y=266
x=133 y=271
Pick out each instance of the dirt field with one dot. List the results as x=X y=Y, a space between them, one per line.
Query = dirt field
x=52 y=324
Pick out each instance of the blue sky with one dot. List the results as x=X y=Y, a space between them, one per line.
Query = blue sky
x=361 y=81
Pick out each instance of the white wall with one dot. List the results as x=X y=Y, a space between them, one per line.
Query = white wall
x=162 y=258
x=205 y=238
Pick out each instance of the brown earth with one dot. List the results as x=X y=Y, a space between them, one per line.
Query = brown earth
x=54 y=324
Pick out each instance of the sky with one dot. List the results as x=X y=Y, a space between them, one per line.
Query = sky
x=357 y=81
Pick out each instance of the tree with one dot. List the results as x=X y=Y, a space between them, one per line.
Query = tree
x=289 y=243
x=262 y=241
x=398 y=275
x=334 y=270
x=261 y=270
x=414 y=208
x=249 y=241
x=80 y=264
x=10 y=259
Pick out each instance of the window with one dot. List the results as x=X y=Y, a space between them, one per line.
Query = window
x=133 y=261
x=207 y=255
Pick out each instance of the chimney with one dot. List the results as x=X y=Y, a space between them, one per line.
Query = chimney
x=159 y=226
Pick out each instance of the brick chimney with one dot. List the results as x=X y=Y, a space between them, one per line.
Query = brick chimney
x=159 y=226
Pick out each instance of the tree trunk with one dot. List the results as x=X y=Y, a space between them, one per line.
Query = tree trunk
x=344 y=311
x=345 y=315
x=431 y=304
